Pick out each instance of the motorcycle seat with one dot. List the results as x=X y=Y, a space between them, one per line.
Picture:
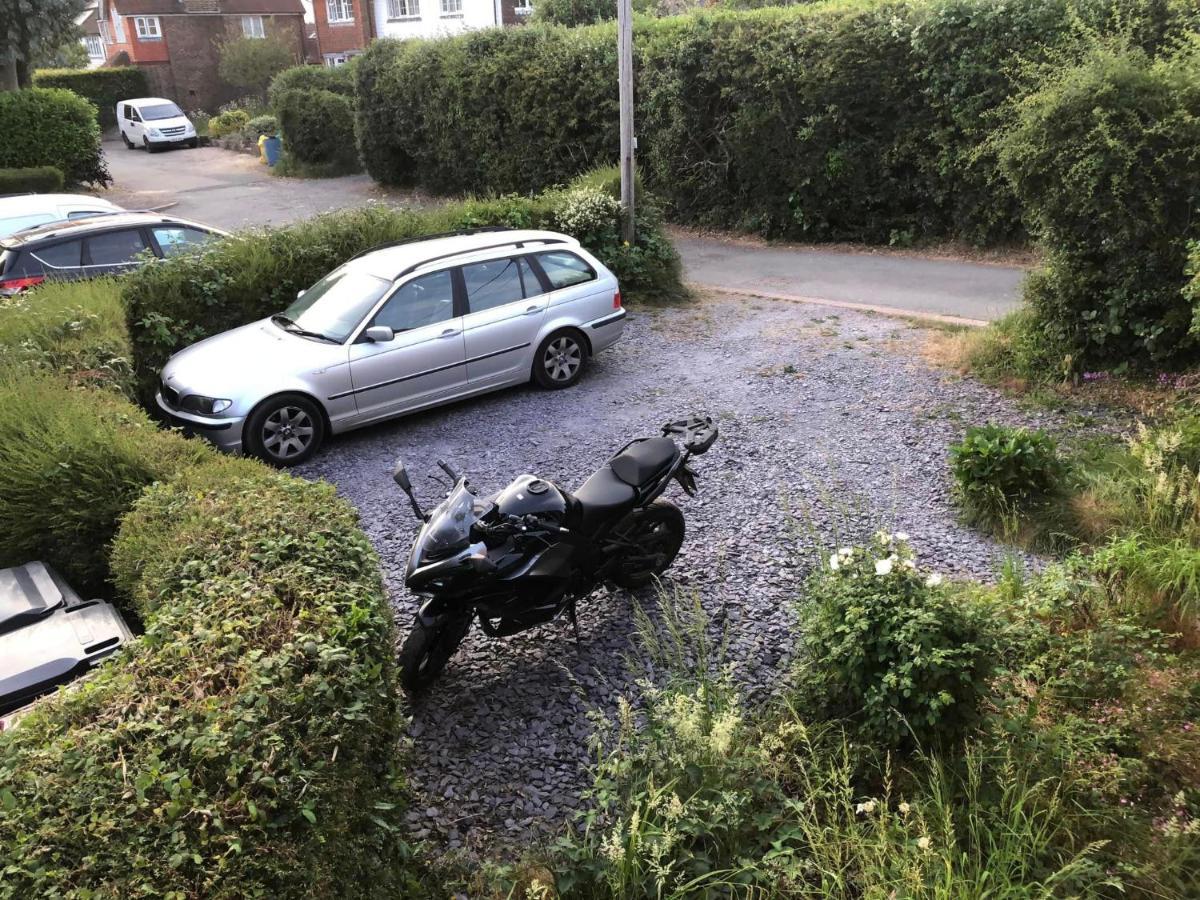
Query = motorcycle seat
x=609 y=493
x=642 y=461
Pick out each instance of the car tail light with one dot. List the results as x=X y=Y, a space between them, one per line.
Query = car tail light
x=617 y=300
x=10 y=286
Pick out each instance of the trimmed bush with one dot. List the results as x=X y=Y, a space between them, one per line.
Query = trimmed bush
x=52 y=127
x=844 y=120
x=104 y=87
x=260 y=125
x=903 y=661
x=317 y=127
x=337 y=79
x=76 y=329
x=72 y=462
x=1105 y=158
x=244 y=746
x=36 y=180
x=228 y=122
x=253 y=274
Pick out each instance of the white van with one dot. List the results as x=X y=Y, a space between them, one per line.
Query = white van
x=22 y=211
x=153 y=123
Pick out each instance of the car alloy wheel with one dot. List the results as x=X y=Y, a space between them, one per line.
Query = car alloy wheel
x=562 y=358
x=287 y=433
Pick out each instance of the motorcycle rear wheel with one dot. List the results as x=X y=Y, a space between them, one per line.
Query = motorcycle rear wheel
x=658 y=532
x=426 y=651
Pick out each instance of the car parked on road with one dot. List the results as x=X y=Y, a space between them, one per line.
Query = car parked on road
x=21 y=211
x=153 y=124
x=87 y=248
x=403 y=327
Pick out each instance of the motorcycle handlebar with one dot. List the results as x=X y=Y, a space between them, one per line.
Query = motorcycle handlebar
x=445 y=467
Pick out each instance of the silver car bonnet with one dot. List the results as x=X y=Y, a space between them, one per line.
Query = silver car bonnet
x=248 y=362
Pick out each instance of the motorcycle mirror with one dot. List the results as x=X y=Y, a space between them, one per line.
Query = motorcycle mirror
x=400 y=476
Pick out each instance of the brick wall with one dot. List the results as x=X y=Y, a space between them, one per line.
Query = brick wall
x=339 y=37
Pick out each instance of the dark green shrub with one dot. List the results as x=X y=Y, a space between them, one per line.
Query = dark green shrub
x=1003 y=472
x=105 y=87
x=260 y=125
x=231 y=121
x=52 y=127
x=338 y=79
x=76 y=329
x=37 y=180
x=317 y=127
x=1105 y=158
x=889 y=650
x=574 y=12
x=72 y=462
x=253 y=274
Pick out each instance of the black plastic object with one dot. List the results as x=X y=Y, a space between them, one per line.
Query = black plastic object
x=697 y=433
x=31 y=592
x=57 y=648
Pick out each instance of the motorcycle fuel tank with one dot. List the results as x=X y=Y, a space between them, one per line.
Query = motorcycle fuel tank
x=530 y=495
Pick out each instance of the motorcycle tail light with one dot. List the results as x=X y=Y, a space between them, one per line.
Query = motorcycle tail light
x=10 y=286
x=617 y=300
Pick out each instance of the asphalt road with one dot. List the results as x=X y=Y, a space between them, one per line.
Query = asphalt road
x=232 y=190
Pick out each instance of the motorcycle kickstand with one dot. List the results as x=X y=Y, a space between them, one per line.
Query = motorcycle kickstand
x=571 y=618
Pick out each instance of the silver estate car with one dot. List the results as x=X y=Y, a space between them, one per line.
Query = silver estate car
x=399 y=328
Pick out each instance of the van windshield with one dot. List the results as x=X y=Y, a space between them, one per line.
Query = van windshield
x=160 y=111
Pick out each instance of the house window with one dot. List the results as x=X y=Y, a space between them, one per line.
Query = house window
x=452 y=7
x=404 y=9
x=95 y=48
x=118 y=28
x=105 y=32
x=523 y=7
x=147 y=28
x=252 y=27
x=339 y=10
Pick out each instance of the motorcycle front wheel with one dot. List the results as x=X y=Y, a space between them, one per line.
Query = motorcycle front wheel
x=426 y=651
x=657 y=534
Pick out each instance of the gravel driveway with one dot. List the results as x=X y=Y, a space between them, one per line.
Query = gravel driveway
x=831 y=426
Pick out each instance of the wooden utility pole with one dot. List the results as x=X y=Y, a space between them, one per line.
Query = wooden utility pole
x=628 y=141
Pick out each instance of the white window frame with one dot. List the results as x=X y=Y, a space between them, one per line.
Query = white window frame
x=399 y=10
x=105 y=32
x=118 y=27
x=254 y=27
x=148 y=28
x=521 y=7
x=452 y=9
x=94 y=40
x=339 y=11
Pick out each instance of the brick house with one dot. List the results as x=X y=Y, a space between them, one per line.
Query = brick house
x=345 y=27
x=177 y=42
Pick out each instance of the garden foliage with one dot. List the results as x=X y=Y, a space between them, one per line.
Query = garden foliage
x=35 y=180
x=254 y=274
x=104 y=87
x=227 y=122
x=1001 y=473
x=317 y=127
x=338 y=79
x=52 y=127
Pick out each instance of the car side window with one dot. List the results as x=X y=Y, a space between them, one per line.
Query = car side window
x=423 y=301
x=529 y=279
x=60 y=256
x=114 y=248
x=75 y=214
x=565 y=269
x=173 y=239
x=492 y=283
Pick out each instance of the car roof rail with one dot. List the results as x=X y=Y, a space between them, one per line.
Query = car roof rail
x=462 y=232
x=518 y=244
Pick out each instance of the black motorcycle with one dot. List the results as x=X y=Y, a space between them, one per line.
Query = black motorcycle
x=523 y=556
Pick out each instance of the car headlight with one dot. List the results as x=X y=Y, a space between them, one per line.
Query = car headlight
x=205 y=406
x=154 y=132
x=189 y=128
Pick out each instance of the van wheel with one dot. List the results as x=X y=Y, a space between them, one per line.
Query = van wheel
x=128 y=142
x=149 y=147
x=559 y=360
x=285 y=430
x=194 y=143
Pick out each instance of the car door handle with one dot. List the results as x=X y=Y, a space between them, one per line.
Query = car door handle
x=531 y=310
x=449 y=332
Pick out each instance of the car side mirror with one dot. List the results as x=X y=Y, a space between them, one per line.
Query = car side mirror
x=379 y=334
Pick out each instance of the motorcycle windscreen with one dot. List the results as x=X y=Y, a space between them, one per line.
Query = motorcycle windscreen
x=449 y=528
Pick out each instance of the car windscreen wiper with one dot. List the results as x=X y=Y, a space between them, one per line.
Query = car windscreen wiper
x=289 y=325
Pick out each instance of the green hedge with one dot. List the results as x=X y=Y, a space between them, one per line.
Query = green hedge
x=317 y=127
x=338 y=79
x=253 y=274
x=104 y=87
x=52 y=127
x=35 y=180
x=844 y=120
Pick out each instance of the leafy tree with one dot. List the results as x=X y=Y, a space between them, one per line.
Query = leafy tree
x=29 y=28
x=251 y=63
x=574 y=12
x=71 y=54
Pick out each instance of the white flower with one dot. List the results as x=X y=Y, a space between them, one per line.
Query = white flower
x=901 y=536
x=934 y=579
x=833 y=562
x=904 y=808
x=867 y=806
x=883 y=566
x=846 y=552
x=908 y=565
x=924 y=843
x=883 y=537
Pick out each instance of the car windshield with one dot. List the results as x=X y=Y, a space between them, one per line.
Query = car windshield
x=335 y=305
x=160 y=111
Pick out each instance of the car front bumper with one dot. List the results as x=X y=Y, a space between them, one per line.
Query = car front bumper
x=226 y=434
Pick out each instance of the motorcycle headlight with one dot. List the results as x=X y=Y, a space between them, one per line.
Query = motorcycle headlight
x=205 y=406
